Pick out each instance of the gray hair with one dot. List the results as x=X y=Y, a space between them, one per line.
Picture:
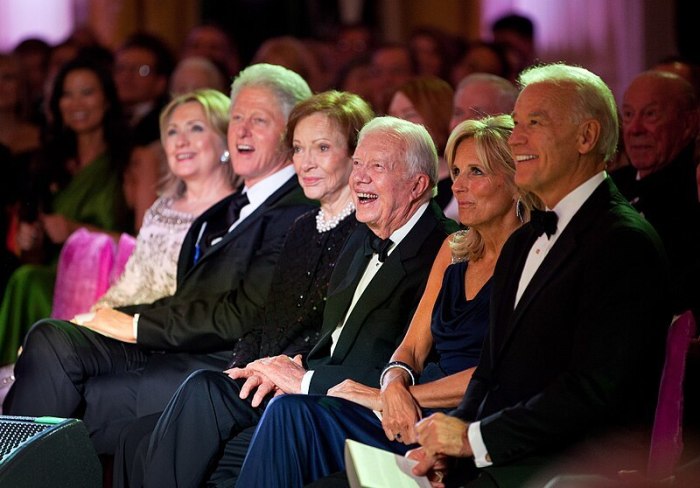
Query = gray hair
x=215 y=77
x=507 y=91
x=288 y=86
x=594 y=99
x=419 y=152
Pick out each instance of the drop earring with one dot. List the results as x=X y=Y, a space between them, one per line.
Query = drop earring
x=520 y=210
x=225 y=157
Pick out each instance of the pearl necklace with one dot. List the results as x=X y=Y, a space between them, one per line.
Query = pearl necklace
x=324 y=225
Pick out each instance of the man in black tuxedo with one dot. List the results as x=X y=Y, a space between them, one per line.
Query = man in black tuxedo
x=127 y=363
x=659 y=126
x=580 y=307
x=371 y=297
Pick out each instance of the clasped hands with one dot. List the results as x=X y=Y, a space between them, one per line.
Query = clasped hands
x=440 y=436
x=274 y=375
x=399 y=410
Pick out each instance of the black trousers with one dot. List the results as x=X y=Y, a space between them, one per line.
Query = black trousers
x=201 y=439
x=72 y=372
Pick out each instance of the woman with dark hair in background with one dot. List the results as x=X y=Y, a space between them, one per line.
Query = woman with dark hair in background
x=75 y=182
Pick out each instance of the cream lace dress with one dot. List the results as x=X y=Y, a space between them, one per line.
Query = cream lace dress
x=150 y=273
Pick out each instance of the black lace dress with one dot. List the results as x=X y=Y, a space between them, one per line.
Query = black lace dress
x=291 y=321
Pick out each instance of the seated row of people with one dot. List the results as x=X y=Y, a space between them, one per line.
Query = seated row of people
x=563 y=345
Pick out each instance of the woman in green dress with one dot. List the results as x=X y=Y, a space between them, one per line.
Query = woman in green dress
x=75 y=182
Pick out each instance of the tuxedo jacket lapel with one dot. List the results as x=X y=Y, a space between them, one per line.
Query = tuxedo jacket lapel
x=186 y=258
x=558 y=256
x=218 y=212
x=338 y=303
x=387 y=278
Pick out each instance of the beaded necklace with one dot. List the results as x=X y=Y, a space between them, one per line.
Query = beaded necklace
x=324 y=225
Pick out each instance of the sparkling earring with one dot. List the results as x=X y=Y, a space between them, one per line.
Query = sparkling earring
x=520 y=210
x=225 y=157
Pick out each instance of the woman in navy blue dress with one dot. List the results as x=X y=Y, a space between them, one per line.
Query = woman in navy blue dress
x=301 y=438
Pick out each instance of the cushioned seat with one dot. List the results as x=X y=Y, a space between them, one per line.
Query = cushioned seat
x=88 y=264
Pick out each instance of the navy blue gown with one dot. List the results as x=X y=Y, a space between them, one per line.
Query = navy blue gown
x=301 y=438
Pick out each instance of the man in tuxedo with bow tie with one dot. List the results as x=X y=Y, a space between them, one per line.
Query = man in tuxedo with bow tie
x=127 y=363
x=570 y=367
x=376 y=285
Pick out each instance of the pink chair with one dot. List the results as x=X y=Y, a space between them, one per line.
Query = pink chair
x=666 y=444
x=667 y=435
x=88 y=264
x=124 y=250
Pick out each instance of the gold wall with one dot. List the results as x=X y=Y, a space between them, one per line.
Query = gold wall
x=114 y=20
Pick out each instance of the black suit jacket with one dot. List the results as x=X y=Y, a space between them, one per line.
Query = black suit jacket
x=229 y=283
x=581 y=353
x=381 y=315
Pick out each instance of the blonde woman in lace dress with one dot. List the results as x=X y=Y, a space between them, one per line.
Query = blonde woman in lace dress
x=193 y=132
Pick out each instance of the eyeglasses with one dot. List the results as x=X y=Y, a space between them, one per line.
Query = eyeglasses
x=142 y=70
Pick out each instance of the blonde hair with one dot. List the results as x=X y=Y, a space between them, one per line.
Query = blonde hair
x=215 y=106
x=490 y=136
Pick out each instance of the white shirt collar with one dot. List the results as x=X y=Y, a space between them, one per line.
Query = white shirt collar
x=398 y=235
x=262 y=190
x=571 y=203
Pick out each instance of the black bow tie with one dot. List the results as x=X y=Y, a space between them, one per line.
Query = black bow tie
x=238 y=201
x=544 y=222
x=377 y=245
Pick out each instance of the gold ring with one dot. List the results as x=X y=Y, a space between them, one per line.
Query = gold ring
x=439 y=475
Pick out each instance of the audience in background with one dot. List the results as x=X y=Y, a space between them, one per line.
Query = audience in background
x=214 y=43
x=356 y=77
x=427 y=100
x=482 y=57
x=434 y=52
x=196 y=72
x=352 y=42
x=659 y=126
x=481 y=94
x=517 y=33
x=33 y=55
x=142 y=66
x=293 y=54
x=17 y=132
x=20 y=138
x=683 y=67
x=690 y=71
x=391 y=65
x=76 y=181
